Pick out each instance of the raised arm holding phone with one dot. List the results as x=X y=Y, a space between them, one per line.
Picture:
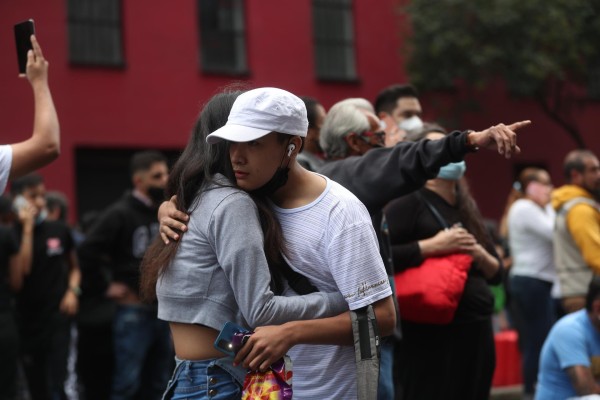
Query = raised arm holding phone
x=43 y=146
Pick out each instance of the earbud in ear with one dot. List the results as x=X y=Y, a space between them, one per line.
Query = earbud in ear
x=290 y=149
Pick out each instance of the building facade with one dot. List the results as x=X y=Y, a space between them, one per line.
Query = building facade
x=130 y=75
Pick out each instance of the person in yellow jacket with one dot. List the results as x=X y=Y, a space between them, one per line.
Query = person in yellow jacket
x=577 y=229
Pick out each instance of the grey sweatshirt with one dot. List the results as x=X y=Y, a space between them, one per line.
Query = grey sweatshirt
x=220 y=272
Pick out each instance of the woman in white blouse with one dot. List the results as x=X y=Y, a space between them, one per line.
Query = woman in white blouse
x=532 y=275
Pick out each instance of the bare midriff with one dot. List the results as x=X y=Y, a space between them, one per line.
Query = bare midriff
x=194 y=342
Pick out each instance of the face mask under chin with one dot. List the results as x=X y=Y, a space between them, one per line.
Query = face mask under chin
x=277 y=181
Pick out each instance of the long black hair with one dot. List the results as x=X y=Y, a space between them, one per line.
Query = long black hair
x=196 y=169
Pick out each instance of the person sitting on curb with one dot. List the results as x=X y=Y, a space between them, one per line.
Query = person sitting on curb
x=570 y=359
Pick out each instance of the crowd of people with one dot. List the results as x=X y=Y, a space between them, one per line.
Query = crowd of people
x=293 y=222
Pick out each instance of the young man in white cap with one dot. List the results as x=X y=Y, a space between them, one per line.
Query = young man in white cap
x=328 y=233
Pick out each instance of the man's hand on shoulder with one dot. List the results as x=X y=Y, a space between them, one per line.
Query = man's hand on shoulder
x=172 y=221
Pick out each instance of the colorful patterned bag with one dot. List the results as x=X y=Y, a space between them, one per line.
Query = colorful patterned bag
x=273 y=384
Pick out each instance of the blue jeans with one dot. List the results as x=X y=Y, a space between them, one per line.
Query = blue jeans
x=385 y=390
x=533 y=314
x=143 y=353
x=201 y=380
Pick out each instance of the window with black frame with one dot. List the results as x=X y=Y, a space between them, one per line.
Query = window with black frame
x=222 y=36
x=95 y=32
x=333 y=33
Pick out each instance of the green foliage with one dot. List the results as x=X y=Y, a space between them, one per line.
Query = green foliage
x=529 y=43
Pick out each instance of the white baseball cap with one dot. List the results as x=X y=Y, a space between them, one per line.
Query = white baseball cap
x=261 y=111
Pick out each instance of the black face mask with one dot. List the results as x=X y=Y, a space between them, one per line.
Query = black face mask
x=278 y=180
x=156 y=194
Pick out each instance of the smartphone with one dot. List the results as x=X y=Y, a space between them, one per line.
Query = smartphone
x=23 y=32
x=19 y=203
x=231 y=338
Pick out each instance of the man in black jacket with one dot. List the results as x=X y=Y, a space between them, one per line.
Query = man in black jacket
x=111 y=255
x=352 y=137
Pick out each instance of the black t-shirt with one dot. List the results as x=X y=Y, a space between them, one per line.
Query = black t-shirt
x=9 y=246
x=47 y=283
x=410 y=220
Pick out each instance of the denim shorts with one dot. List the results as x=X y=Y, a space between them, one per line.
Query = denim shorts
x=202 y=380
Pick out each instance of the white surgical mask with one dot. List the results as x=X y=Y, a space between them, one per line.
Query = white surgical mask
x=411 y=123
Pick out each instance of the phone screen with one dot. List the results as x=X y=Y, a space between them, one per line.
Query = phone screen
x=224 y=341
x=19 y=202
x=23 y=32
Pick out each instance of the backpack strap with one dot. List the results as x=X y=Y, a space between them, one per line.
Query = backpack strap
x=566 y=207
x=366 y=350
x=300 y=283
x=435 y=212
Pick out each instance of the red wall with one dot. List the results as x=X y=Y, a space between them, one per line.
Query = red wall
x=542 y=143
x=153 y=101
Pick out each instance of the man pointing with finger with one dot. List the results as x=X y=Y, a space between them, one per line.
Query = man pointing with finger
x=377 y=175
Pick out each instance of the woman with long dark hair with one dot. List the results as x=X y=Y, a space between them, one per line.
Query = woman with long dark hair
x=455 y=360
x=225 y=268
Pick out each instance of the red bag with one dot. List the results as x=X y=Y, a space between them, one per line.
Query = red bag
x=430 y=293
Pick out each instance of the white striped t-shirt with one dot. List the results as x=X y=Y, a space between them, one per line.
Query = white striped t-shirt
x=332 y=242
x=5 y=164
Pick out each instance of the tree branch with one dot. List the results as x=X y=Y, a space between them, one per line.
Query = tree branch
x=555 y=116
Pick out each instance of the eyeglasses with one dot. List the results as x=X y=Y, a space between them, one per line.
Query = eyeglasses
x=372 y=138
x=369 y=134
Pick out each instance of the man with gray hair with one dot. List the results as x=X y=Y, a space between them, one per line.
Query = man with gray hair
x=375 y=174
x=353 y=139
x=346 y=119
